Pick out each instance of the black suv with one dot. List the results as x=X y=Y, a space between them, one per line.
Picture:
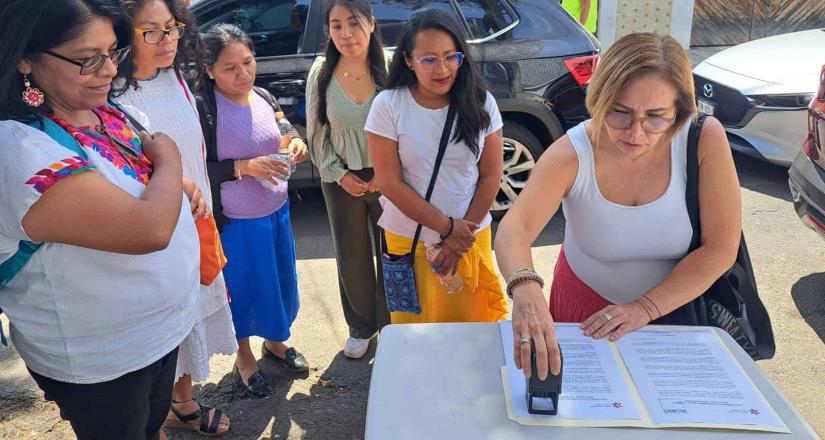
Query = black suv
x=536 y=60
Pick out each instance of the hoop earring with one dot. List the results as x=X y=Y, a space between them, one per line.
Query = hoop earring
x=32 y=96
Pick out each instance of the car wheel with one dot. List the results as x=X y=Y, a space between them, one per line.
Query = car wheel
x=521 y=151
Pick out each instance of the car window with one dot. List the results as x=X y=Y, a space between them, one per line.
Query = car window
x=391 y=15
x=275 y=26
x=485 y=17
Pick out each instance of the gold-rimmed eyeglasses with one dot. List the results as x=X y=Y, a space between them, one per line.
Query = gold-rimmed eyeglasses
x=155 y=36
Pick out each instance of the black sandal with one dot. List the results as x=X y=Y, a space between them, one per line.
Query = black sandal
x=206 y=428
x=293 y=361
x=258 y=385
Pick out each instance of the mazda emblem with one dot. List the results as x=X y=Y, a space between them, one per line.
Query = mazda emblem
x=708 y=90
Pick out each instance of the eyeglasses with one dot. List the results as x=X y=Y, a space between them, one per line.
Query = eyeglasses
x=653 y=124
x=91 y=65
x=431 y=62
x=155 y=36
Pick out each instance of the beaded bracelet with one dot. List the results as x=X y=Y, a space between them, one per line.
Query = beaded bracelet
x=520 y=276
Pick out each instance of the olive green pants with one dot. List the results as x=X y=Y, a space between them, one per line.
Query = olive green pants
x=355 y=236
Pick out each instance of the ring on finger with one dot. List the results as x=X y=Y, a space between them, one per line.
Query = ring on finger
x=607 y=316
x=524 y=339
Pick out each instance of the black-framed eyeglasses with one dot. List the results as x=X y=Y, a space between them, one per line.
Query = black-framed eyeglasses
x=451 y=61
x=155 y=36
x=91 y=65
x=651 y=124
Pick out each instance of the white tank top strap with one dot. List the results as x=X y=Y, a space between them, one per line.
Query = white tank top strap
x=584 y=150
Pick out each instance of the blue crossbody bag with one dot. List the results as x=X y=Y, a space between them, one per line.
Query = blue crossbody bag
x=399 y=273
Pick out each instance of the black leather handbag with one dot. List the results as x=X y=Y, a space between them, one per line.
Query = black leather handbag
x=732 y=303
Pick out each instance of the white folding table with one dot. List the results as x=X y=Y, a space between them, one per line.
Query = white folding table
x=443 y=381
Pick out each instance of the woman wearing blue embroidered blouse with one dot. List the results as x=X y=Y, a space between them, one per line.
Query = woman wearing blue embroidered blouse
x=340 y=89
x=98 y=311
x=431 y=71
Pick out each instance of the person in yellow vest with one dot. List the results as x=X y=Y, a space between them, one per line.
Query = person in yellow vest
x=585 y=11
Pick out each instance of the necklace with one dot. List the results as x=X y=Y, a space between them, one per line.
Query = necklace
x=356 y=76
x=151 y=77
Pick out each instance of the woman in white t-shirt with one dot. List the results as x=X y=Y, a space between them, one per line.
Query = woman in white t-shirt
x=432 y=70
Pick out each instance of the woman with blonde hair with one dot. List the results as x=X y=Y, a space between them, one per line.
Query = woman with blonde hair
x=621 y=179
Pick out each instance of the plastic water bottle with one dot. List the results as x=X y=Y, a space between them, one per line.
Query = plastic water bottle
x=285 y=127
x=452 y=283
x=273 y=183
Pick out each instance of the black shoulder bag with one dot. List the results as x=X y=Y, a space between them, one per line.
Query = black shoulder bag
x=732 y=303
x=399 y=273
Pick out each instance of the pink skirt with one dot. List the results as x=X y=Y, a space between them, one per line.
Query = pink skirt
x=571 y=300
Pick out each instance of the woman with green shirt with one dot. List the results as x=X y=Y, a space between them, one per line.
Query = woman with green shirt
x=340 y=90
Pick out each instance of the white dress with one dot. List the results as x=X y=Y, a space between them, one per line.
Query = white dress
x=170 y=107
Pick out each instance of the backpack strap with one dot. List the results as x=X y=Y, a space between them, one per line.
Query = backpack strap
x=264 y=93
x=206 y=114
x=25 y=249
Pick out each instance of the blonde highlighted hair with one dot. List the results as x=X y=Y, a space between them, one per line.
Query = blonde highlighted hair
x=634 y=56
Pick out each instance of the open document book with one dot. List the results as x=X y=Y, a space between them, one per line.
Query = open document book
x=655 y=377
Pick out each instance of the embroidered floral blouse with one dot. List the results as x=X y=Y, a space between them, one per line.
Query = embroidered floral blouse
x=77 y=314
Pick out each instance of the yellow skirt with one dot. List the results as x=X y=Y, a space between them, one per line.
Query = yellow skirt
x=481 y=299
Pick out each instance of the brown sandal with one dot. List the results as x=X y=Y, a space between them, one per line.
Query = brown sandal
x=206 y=428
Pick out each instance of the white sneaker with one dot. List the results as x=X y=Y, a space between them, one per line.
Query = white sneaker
x=356 y=348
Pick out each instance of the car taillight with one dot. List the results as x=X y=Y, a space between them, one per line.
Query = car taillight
x=582 y=68
x=809 y=147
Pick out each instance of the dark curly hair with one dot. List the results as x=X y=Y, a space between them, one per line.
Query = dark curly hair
x=187 y=46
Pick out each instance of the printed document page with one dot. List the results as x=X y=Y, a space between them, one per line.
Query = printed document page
x=593 y=387
x=689 y=376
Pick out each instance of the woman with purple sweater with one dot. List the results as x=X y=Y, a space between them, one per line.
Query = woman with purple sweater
x=251 y=204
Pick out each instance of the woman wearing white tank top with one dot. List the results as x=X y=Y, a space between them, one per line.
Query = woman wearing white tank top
x=620 y=178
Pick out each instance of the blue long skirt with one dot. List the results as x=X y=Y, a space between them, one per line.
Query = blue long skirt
x=261 y=275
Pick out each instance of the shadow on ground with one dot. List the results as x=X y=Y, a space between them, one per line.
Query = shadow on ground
x=314 y=411
x=809 y=296
x=17 y=394
x=762 y=177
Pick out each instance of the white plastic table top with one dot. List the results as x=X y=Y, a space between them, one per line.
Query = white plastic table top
x=443 y=381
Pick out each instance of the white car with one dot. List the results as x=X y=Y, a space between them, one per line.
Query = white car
x=760 y=91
